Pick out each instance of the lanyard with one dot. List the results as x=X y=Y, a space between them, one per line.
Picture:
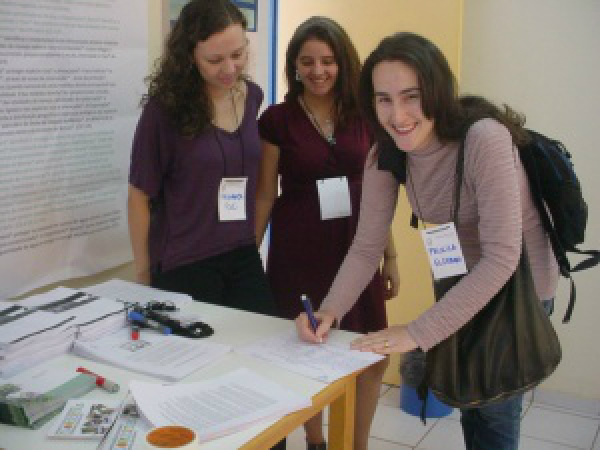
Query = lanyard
x=237 y=133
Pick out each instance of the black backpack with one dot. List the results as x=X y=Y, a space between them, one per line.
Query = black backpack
x=553 y=183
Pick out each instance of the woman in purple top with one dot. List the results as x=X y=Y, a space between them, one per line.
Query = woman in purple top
x=409 y=94
x=317 y=142
x=194 y=165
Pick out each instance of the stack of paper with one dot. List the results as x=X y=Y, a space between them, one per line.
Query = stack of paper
x=29 y=337
x=168 y=357
x=216 y=407
x=44 y=326
x=94 y=316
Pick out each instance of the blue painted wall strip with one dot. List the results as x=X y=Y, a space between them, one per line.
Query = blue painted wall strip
x=273 y=52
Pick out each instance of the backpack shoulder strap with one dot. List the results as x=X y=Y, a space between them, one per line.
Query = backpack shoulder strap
x=593 y=260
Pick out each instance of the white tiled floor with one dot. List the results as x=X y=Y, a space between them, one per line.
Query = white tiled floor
x=551 y=421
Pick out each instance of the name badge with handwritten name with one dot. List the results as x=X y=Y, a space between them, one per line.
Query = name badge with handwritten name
x=232 y=199
x=443 y=249
x=334 y=197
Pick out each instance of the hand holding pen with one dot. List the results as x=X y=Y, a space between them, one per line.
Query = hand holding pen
x=313 y=327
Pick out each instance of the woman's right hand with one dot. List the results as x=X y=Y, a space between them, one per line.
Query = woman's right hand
x=305 y=331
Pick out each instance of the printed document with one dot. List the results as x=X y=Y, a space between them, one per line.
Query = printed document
x=325 y=362
x=167 y=357
x=219 y=406
x=95 y=316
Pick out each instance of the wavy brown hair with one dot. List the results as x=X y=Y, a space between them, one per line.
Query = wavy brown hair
x=452 y=114
x=346 y=57
x=176 y=83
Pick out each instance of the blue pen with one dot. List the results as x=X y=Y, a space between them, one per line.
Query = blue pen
x=309 y=312
x=140 y=318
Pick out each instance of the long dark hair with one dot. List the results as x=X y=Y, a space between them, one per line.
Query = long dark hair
x=346 y=57
x=452 y=115
x=176 y=82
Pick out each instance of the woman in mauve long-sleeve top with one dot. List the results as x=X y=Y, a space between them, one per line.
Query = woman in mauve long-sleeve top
x=409 y=94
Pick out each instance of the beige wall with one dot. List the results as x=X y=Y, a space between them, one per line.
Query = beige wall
x=440 y=20
x=368 y=22
x=541 y=57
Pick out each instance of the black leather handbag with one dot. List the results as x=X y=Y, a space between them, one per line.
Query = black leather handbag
x=506 y=348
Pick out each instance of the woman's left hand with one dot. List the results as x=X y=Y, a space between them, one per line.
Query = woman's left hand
x=394 y=339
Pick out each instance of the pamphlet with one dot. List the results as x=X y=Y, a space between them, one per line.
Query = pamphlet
x=84 y=419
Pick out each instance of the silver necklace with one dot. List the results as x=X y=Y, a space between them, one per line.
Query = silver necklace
x=330 y=138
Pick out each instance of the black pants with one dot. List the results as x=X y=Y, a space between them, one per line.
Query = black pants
x=235 y=279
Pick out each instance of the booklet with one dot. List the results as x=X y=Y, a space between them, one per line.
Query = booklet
x=84 y=419
x=168 y=357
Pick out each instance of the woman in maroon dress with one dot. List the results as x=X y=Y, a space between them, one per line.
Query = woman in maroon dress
x=317 y=141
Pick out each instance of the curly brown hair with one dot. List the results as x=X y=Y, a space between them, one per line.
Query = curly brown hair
x=176 y=83
x=346 y=57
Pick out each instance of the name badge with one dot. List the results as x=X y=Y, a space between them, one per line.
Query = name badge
x=232 y=199
x=334 y=198
x=444 y=252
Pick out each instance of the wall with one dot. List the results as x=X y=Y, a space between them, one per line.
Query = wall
x=541 y=57
x=439 y=20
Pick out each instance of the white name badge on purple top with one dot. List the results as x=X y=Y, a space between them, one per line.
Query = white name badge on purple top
x=232 y=198
x=334 y=197
x=444 y=251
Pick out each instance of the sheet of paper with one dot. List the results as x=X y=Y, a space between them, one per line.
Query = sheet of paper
x=168 y=357
x=94 y=315
x=219 y=406
x=133 y=292
x=31 y=326
x=13 y=364
x=83 y=305
x=325 y=362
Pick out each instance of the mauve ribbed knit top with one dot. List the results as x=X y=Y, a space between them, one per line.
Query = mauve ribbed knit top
x=496 y=211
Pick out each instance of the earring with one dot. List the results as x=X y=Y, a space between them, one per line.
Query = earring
x=298 y=76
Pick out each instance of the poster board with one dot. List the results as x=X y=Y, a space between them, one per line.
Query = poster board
x=71 y=77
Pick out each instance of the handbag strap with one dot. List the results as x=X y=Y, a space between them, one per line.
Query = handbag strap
x=460 y=168
x=423 y=389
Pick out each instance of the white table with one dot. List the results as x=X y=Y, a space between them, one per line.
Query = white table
x=235 y=328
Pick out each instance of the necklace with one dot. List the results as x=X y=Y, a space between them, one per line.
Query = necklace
x=236 y=132
x=329 y=137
